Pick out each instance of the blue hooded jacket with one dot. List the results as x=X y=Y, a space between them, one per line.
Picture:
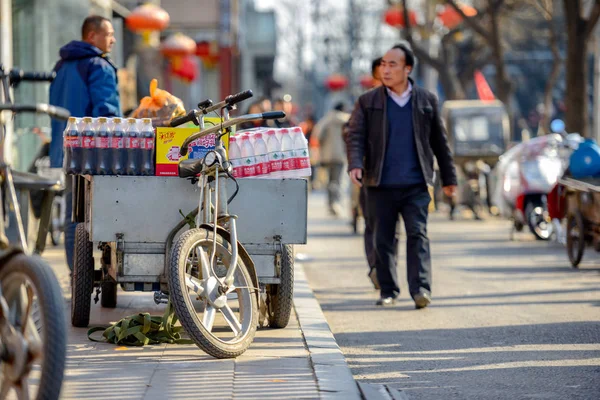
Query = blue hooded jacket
x=86 y=85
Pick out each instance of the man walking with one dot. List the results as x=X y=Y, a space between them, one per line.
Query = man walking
x=86 y=85
x=329 y=133
x=393 y=134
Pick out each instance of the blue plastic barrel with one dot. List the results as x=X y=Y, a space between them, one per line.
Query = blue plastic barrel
x=585 y=161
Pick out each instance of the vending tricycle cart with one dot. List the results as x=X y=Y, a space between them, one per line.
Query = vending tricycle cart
x=583 y=216
x=176 y=237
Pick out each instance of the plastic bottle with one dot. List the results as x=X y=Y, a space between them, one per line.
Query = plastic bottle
x=72 y=148
x=287 y=152
x=302 y=158
x=261 y=154
x=132 y=147
x=147 y=147
x=248 y=160
x=103 y=154
x=275 y=158
x=88 y=148
x=117 y=148
x=235 y=158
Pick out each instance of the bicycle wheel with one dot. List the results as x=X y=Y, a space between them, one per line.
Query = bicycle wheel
x=223 y=327
x=33 y=335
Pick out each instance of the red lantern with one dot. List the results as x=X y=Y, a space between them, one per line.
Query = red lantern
x=178 y=45
x=366 y=81
x=186 y=70
x=147 y=17
x=336 y=82
x=451 y=18
x=203 y=49
x=394 y=16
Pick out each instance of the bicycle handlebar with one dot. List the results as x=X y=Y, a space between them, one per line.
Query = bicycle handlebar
x=40 y=108
x=190 y=117
x=18 y=75
x=237 y=98
x=226 y=124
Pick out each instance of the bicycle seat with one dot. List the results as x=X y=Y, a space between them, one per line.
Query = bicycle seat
x=189 y=168
x=29 y=181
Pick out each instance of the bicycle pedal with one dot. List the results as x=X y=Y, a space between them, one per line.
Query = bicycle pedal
x=161 y=298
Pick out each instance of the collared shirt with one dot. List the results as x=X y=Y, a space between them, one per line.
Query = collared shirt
x=403 y=98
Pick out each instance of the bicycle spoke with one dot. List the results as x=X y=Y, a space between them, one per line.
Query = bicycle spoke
x=231 y=319
x=6 y=385
x=209 y=317
x=23 y=389
x=26 y=317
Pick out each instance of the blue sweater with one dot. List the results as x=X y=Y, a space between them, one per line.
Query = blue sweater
x=401 y=165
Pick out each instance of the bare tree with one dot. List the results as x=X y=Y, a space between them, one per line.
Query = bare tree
x=547 y=11
x=579 y=30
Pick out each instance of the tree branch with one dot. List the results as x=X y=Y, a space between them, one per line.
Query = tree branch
x=419 y=51
x=472 y=22
x=592 y=20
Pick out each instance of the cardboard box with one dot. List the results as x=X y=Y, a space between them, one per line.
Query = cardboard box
x=169 y=141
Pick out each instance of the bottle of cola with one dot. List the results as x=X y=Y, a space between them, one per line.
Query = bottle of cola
x=103 y=153
x=132 y=145
x=117 y=148
x=88 y=148
x=147 y=148
x=72 y=148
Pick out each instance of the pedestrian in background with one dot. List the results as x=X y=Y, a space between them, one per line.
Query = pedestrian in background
x=86 y=85
x=392 y=137
x=332 y=155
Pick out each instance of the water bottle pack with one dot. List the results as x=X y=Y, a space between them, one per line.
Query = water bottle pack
x=270 y=153
x=109 y=146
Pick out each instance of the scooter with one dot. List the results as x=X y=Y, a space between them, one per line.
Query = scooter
x=527 y=174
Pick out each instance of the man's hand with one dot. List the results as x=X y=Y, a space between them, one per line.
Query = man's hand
x=356 y=176
x=449 y=191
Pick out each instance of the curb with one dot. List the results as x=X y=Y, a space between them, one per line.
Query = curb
x=333 y=375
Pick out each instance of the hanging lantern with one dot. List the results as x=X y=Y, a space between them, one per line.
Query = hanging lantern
x=186 y=70
x=450 y=18
x=146 y=19
x=367 y=81
x=203 y=49
x=336 y=82
x=178 y=45
x=394 y=16
x=211 y=61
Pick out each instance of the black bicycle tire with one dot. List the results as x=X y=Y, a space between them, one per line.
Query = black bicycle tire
x=282 y=295
x=82 y=284
x=52 y=306
x=575 y=258
x=177 y=290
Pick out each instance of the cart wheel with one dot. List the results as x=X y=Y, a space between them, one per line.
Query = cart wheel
x=83 y=278
x=221 y=324
x=108 y=294
x=575 y=238
x=281 y=296
x=355 y=220
x=55 y=230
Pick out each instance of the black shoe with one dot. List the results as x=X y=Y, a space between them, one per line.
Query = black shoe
x=373 y=277
x=422 y=300
x=386 y=302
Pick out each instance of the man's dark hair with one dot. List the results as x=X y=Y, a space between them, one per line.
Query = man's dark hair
x=409 y=57
x=339 y=106
x=93 y=23
x=376 y=63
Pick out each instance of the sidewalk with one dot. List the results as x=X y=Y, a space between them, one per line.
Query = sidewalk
x=277 y=365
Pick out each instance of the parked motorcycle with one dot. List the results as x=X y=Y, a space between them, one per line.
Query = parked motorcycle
x=526 y=175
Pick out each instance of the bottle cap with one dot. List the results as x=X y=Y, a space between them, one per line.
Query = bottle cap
x=146 y=120
x=87 y=120
x=131 y=120
x=117 y=120
x=73 y=120
x=102 y=120
x=232 y=139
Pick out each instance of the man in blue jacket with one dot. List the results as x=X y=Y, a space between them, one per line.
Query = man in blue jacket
x=86 y=85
